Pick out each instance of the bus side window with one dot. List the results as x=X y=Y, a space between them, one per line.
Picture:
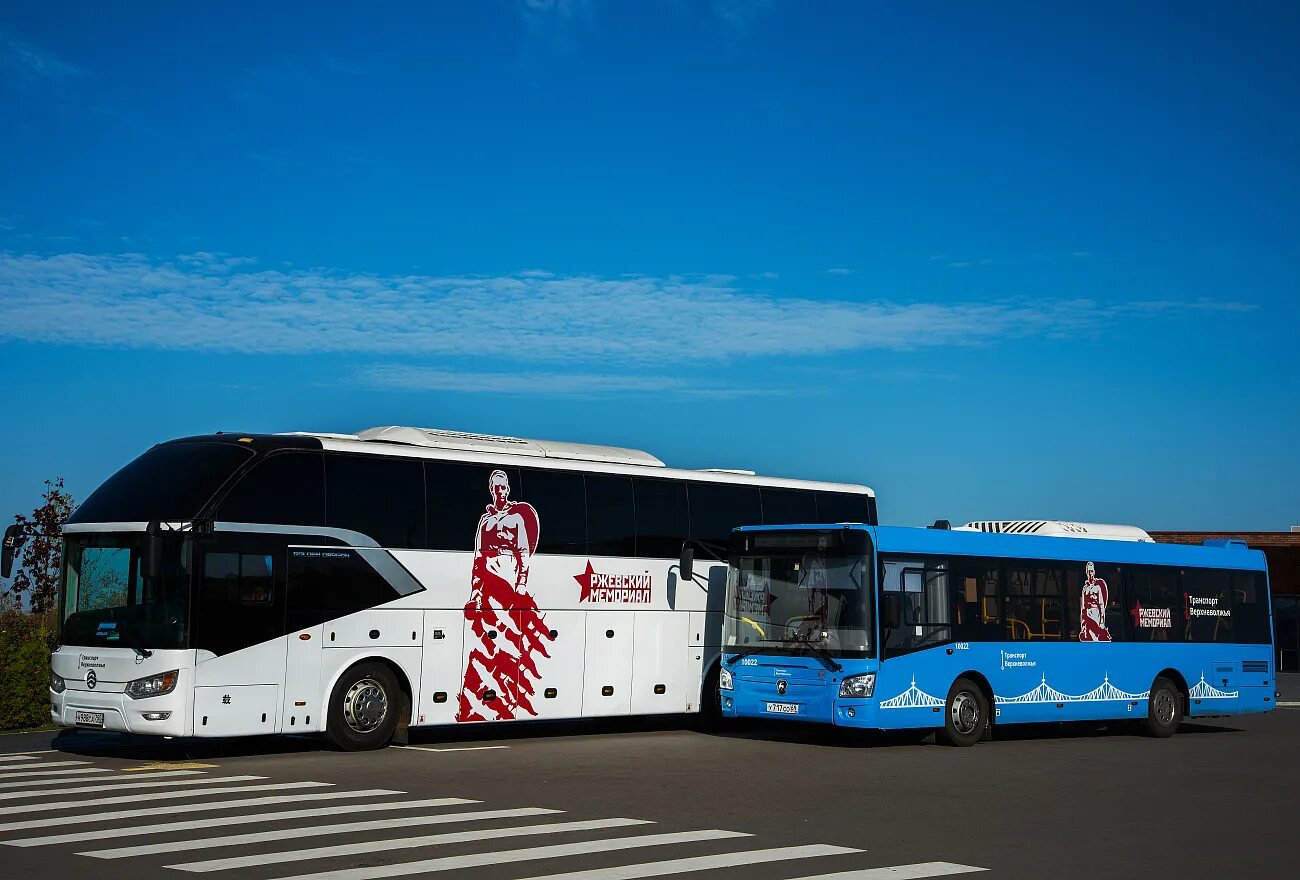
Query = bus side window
x=1155 y=604
x=561 y=504
x=717 y=508
x=788 y=507
x=661 y=517
x=837 y=507
x=611 y=525
x=1250 y=609
x=975 y=598
x=1207 y=605
x=457 y=497
x=382 y=498
x=286 y=488
x=927 y=613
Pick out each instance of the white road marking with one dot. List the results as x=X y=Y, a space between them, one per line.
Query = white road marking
x=1289 y=704
x=22 y=767
x=900 y=872
x=384 y=845
x=199 y=808
x=502 y=857
x=118 y=783
x=455 y=749
x=7 y=758
x=391 y=823
x=156 y=796
x=702 y=863
x=218 y=821
x=83 y=777
x=7 y=778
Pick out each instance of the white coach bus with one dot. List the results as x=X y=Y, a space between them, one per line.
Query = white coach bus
x=231 y=585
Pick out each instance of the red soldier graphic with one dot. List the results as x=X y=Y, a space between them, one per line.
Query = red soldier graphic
x=506 y=630
x=1092 y=608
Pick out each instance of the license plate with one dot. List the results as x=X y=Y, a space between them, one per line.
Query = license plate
x=88 y=719
x=783 y=708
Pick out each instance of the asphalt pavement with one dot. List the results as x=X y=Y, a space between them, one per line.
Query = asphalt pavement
x=649 y=798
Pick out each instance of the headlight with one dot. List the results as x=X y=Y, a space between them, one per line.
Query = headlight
x=858 y=685
x=152 y=686
x=725 y=682
x=57 y=684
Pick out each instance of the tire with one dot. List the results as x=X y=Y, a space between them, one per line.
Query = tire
x=710 y=715
x=1164 y=709
x=364 y=708
x=965 y=714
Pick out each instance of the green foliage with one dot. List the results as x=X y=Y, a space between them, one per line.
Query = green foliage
x=25 y=643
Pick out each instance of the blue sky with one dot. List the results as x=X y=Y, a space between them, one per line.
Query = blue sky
x=1034 y=261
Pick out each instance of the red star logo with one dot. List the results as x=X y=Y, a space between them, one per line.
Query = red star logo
x=1136 y=612
x=584 y=580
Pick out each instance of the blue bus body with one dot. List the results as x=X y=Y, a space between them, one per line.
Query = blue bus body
x=1036 y=677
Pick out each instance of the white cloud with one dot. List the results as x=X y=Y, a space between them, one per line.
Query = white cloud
x=406 y=377
x=215 y=302
x=33 y=64
x=839 y=271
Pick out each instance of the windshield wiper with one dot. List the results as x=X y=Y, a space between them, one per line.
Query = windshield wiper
x=136 y=645
x=818 y=650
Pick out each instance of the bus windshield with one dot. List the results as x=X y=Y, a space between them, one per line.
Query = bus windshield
x=789 y=591
x=106 y=602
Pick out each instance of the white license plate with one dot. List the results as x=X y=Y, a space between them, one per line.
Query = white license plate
x=783 y=708
x=88 y=719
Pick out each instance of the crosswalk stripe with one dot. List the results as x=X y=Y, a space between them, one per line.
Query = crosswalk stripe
x=23 y=771
x=900 y=872
x=117 y=784
x=156 y=796
x=218 y=821
x=8 y=758
x=314 y=831
x=702 y=863
x=501 y=857
x=384 y=845
x=89 y=775
x=199 y=808
x=21 y=767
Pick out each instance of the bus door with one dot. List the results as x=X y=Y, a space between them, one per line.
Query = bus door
x=302 y=662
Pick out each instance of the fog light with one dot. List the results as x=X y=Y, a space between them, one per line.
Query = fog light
x=157 y=716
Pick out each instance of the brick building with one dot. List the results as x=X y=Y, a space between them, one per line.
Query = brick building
x=1282 y=550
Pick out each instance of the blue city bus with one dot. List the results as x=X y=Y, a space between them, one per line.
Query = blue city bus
x=959 y=631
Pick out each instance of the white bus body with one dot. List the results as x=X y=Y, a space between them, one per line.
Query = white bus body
x=474 y=613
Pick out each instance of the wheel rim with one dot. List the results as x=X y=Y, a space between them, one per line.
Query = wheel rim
x=365 y=705
x=1164 y=708
x=965 y=713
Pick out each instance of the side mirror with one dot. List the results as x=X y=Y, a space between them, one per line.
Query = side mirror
x=686 y=563
x=13 y=540
x=891 y=611
x=153 y=542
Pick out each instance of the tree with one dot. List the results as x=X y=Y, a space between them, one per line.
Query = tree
x=38 y=565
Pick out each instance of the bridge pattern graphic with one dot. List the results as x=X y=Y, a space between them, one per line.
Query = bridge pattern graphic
x=915 y=698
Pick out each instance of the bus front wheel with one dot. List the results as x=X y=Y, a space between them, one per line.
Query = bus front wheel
x=1164 y=709
x=364 y=708
x=965 y=716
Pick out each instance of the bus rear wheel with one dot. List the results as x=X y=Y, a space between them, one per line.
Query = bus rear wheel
x=1164 y=709
x=364 y=708
x=966 y=714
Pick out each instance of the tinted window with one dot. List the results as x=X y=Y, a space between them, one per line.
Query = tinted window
x=560 y=502
x=611 y=528
x=287 y=489
x=240 y=587
x=717 y=508
x=326 y=583
x=458 y=497
x=662 y=522
x=977 y=600
x=1156 y=605
x=789 y=507
x=1033 y=609
x=1250 y=607
x=837 y=507
x=170 y=482
x=1095 y=607
x=1207 y=600
x=379 y=497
